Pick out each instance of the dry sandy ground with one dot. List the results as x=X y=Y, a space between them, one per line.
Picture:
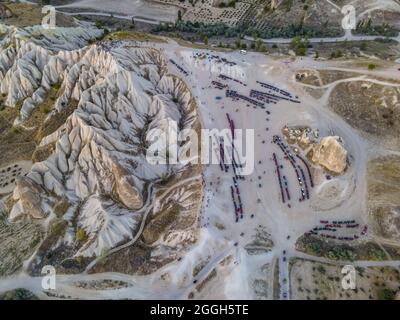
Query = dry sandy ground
x=26 y=14
x=134 y=8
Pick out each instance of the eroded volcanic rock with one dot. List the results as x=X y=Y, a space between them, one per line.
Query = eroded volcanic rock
x=28 y=195
x=330 y=154
x=96 y=161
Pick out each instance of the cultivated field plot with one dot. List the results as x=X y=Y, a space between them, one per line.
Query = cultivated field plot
x=312 y=280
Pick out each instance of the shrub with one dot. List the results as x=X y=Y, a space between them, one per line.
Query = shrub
x=99 y=24
x=386 y=294
x=299 y=45
x=80 y=235
x=321 y=269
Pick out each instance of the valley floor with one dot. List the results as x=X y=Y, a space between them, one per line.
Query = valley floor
x=237 y=259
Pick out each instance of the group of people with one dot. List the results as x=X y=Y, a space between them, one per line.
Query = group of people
x=278 y=172
x=264 y=97
x=305 y=194
x=337 y=226
x=286 y=95
x=238 y=205
x=214 y=57
x=276 y=89
x=219 y=85
x=235 y=190
x=236 y=96
x=8 y=176
x=224 y=77
x=308 y=169
x=222 y=164
x=269 y=97
x=179 y=67
x=257 y=98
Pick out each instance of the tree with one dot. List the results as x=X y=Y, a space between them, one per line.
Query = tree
x=299 y=45
x=336 y=54
x=80 y=235
x=205 y=40
x=386 y=294
x=258 y=44
x=363 y=46
x=238 y=43
x=99 y=24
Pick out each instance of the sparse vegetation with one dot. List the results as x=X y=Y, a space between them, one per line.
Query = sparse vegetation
x=299 y=45
x=343 y=251
x=19 y=240
x=80 y=235
x=19 y=143
x=336 y=54
x=18 y=294
x=220 y=29
x=61 y=207
x=386 y=294
x=372 y=282
x=132 y=35
x=367 y=27
x=27 y=14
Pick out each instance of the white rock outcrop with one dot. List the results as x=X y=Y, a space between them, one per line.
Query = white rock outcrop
x=330 y=154
x=99 y=164
x=29 y=200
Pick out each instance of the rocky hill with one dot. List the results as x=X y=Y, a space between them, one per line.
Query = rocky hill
x=90 y=186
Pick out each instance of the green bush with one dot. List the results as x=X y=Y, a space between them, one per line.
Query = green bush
x=99 y=24
x=80 y=235
x=386 y=294
x=299 y=45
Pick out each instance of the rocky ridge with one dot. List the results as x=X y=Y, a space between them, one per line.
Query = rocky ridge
x=98 y=168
